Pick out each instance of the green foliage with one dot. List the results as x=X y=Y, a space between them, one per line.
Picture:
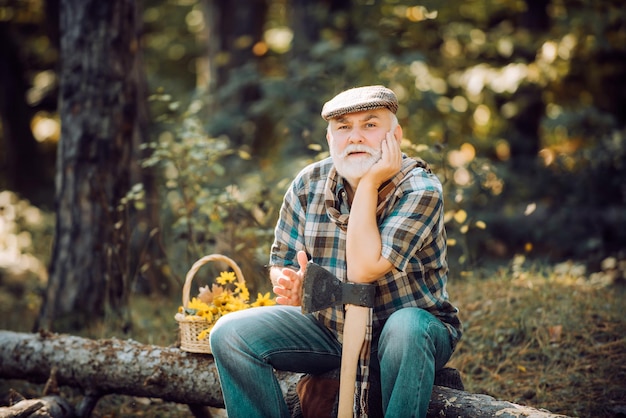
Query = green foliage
x=207 y=207
x=515 y=106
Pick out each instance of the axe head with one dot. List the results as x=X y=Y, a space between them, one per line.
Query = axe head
x=321 y=290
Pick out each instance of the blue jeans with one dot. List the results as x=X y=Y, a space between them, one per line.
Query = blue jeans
x=248 y=345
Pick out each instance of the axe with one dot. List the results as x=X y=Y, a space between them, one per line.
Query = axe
x=320 y=290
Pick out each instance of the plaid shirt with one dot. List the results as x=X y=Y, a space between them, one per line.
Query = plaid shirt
x=410 y=218
x=413 y=240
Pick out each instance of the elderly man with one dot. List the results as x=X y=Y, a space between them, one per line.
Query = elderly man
x=367 y=214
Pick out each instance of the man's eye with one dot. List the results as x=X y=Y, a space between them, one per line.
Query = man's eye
x=370 y=125
x=342 y=127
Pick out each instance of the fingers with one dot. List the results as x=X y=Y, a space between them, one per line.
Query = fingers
x=390 y=161
x=392 y=146
x=284 y=295
x=289 y=288
x=302 y=260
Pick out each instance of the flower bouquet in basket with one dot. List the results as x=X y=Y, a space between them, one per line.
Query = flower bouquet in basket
x=229 y=293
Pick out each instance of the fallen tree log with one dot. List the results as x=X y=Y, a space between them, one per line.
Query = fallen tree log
x=47 y=406
x=452 y=403
x=113 y=366
x=50 y=405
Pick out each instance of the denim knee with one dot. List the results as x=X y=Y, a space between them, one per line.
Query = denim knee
x=404 y=326
x=223 y=335
x=414 y=328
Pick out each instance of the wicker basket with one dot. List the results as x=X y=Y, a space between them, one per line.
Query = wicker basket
x=191 y=328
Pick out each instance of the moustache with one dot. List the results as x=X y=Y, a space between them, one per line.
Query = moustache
x=360 y=148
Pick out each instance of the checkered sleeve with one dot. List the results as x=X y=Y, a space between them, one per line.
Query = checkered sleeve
x=414 y=222
x=289 y=231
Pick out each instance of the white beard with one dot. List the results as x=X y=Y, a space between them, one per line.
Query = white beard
x=353 y=168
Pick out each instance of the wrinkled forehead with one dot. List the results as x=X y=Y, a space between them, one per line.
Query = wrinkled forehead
x=363 y=116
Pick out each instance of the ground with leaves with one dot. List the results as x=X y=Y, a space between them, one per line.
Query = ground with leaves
x=552 y=338
x=546 y=336
x=549 y=338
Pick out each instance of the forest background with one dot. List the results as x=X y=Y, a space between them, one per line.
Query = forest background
x=518 y=105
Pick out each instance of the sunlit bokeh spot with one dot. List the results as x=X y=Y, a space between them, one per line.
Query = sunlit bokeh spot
x=505 y=47
x=279 y=39
x=260 y=49
x=462 y=176
x=548 y=52
x=493 y=183
x=463 y=156
x=482 y=114
x=503 y=150
x=530 y=208
x=460 y=216
x=45 y=128
x=509 y=109
x=459 y=103
x=195 y=20
x=419 y=13
x=547 y=156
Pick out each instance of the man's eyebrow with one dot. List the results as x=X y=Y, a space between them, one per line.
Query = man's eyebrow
x=367 y=117
x=370 y=116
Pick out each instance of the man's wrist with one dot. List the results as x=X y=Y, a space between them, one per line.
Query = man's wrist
x=369 y=184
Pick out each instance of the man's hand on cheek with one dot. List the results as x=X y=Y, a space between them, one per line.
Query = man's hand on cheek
x=389 y=163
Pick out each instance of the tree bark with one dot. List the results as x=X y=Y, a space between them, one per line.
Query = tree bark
x=98 y=96
x=101 y=367
x=452 y=403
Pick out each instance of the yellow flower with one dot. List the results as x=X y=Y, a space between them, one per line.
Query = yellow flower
x=204 y=333
x=208 y=315
x=242 y=290
x=220 y=299
x=226 y=277
x=198 y=305
x=264 y=300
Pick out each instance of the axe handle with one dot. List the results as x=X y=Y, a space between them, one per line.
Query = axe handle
x=355 y=324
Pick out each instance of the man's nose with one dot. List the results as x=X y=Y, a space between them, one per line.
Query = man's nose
x=356 y=136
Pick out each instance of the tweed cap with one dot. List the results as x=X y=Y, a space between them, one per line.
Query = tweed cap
x=359 y=99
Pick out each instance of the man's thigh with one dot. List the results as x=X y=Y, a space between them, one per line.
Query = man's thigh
x=283 y=337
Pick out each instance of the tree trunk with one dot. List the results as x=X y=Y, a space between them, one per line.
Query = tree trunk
x=147 y=256
x=89 y=266
x=101 y=367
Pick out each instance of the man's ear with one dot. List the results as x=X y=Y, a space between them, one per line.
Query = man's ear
x=397 y=133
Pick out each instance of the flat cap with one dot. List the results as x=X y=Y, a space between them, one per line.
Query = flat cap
x=359 y=99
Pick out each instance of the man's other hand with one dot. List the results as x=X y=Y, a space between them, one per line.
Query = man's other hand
x=288 y=285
